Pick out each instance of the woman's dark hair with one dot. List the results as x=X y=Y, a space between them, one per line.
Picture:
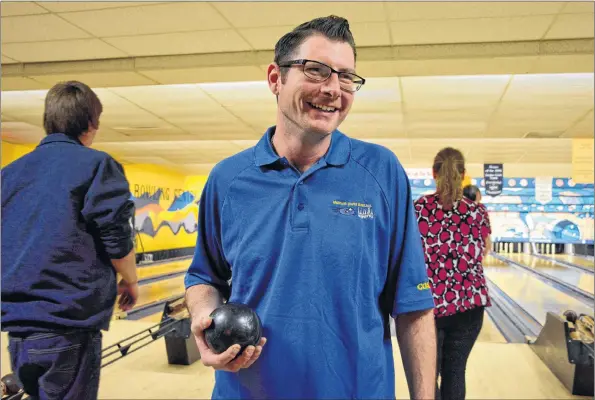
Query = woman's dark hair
x=69 y=109
x=449 y=168
x=470 y=192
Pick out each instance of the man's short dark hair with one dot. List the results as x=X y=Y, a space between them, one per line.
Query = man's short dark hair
x=69 y=109
x=332 y=27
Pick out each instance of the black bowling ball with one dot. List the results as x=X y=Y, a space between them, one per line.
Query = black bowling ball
x=570 y=316
x=11 y=383
x=233 y=323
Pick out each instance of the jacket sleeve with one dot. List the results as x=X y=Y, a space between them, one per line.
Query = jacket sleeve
x=108 y=208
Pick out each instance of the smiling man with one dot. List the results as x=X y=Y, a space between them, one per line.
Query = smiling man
x=316 y=232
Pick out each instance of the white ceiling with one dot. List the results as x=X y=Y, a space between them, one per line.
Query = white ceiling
x=506 y=82
x=93 y=30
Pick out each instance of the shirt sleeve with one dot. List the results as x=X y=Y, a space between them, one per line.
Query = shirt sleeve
x=412 y=291
x=108 y=208
x=209 y=265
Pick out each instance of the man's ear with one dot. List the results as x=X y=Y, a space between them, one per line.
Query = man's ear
x=274 y=78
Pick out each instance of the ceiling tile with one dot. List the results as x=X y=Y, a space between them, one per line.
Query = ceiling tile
x=265 y=14
x=63 y=50
x=105 y=134
x=378 y=95
x=18 y=83
x=453 y=92
x=97 y=79
x=165 y=98
x=402 y=11
x=20 y=132
x=442 y=129
x=542 y=90
x=126 y=117
x=464 y=66
x=180 y=43
x=47 y=27
x=149 y=19
x=582 y=129
x=470 y=30
x=9 y=9
x=8 y=60
x=570 y=26
x=579 y=7
x=235 y=94
x=563 y=64
x=365 y=34
x=371 y=125
x=22 y=104
x=67 y=6
x=211 y=74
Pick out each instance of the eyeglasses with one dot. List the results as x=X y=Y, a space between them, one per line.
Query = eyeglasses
x=321 y=72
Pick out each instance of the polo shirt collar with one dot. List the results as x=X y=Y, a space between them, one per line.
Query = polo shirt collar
x=59 y=137
x=337 y=155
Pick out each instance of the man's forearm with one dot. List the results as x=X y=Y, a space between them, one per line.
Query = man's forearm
x=126 y=267
x=416 y=335
x=201 y=300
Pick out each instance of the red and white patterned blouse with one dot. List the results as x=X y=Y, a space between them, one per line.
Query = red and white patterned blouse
x=454 y=241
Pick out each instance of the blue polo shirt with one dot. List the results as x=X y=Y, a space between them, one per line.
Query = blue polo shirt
x=65 y=215
x=324 y=257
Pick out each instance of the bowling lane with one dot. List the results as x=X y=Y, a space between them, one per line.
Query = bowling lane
x=154 y=270
x=569 y=275
x=534 y=295
x=489 y=332
x=581 y=261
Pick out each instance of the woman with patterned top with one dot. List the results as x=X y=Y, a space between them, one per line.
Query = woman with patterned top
x=455 y=231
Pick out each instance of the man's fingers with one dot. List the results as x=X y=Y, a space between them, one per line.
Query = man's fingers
x=255 y=355
x=205 y=322
x=225 y=358
x=239 y=362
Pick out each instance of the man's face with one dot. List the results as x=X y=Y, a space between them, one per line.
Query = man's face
x=300 y=96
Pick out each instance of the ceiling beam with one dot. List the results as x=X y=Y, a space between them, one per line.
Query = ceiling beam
x=543 y=56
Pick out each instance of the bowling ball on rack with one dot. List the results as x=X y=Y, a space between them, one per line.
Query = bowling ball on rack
x=233 y=323
x=10 y=384
x=570 y=316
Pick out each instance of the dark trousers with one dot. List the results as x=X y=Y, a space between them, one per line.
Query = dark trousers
x=57 y=366
x=456 y=335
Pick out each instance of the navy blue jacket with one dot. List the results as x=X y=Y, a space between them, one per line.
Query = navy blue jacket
x=65 y=214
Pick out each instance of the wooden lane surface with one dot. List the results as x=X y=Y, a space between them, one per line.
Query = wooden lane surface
x=572 y=276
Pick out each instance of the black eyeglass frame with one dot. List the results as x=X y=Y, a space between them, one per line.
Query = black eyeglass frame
x=303 y=62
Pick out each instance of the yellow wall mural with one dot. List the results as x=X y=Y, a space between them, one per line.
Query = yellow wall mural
x=166 y=207
x=166 y=202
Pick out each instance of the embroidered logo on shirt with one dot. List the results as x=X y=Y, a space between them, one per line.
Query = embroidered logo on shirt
x=423 y=286
x=362 y=210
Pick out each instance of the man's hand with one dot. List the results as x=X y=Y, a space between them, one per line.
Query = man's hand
x=128 y=293
x=224 y=361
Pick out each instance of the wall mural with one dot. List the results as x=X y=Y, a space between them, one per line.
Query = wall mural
x=151 y=216
x=563 y=213
x=166 y=208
